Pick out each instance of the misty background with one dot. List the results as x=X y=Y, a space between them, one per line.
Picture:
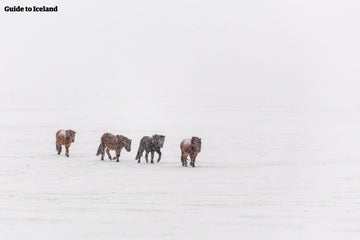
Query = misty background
x=271 y=87
x=262 y=52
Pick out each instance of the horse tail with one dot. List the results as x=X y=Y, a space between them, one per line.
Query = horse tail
x=139 y=153
x=99 y=150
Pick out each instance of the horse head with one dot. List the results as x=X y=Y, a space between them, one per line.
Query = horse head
x=159 y=139
x=196 y=143
x=127 y=144
x=70 y=134
x=125 y=141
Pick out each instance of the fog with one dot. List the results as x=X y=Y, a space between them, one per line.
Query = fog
x=271 y=87
x=265 y=52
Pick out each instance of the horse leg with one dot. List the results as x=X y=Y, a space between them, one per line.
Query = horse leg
x=146 y=156
x=184 y=160
x=159 y=152
x=67 y=150
x=138 y=156
x=58 y=148
x=193 y=157
x=152 y=156
x=117 y=155
x=102 y=151
x=108 y=153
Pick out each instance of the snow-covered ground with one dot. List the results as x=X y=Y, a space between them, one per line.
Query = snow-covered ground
x=271 y=87
x=265 y=172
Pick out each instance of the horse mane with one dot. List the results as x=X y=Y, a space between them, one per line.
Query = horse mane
x=158 y=140
x=70 y=132
x=120 y=138
x=157 y=136
x=123 y=139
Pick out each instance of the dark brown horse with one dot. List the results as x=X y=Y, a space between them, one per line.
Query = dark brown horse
x=190 y=147
x=150 y=144
x=113 y=142
x=64 y=137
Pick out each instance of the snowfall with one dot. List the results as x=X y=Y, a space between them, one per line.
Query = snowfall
x=265 y=172
x=271 y=88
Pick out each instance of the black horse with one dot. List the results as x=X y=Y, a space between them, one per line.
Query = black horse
x=150 y=144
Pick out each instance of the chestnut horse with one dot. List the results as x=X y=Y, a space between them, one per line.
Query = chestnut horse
x=190 y=147
x=64 y=137
x=109 y=142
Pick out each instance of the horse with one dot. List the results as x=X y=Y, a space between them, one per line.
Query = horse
x=190 y=147
x=109 y=142
x=150 y=144
x=64 y=137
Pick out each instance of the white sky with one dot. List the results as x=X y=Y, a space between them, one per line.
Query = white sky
x=264 y=50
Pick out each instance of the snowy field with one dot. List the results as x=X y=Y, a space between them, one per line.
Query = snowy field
x=271 y=87
x=265 y=172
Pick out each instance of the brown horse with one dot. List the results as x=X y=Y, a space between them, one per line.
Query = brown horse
x=109 y=142
x=64 y=137
x=190 y=147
